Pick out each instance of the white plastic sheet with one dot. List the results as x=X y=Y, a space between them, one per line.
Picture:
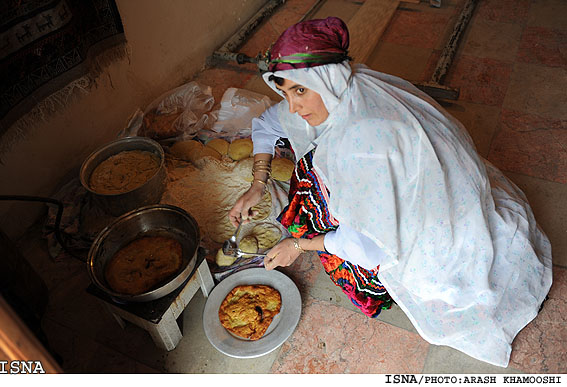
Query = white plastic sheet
x=238 y=108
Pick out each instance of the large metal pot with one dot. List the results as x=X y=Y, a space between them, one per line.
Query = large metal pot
x=156 y=220
x=148 y=193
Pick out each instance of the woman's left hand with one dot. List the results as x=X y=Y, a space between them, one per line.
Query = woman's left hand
x=282 y=254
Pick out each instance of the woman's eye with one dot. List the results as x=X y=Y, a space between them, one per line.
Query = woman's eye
x=300 y=90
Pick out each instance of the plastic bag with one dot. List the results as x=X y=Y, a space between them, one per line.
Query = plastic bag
x=177 y=114
x=238 y=108
x=134 y=124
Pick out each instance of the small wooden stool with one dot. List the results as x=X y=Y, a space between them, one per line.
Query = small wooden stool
x=159 y=317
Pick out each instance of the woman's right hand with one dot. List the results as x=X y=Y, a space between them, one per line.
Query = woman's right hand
x=243 y=206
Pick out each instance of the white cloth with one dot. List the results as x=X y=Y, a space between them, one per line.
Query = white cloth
x=266 y=130
x=355 y=247
x=465 y=258
x=345 y=242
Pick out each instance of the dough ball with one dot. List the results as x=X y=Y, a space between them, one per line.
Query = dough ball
x=267 y=234
x=243 y=169
x=192 y=151
x=249 y=244
x=282 y=169
x=224 y=260
x=240 y=149
x=264 y=208
x=219 y=145
x=186 y=150
x=208 y=151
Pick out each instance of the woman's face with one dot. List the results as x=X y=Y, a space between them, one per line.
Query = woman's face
x=305 y=102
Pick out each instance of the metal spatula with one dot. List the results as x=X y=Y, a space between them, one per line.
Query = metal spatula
x=230 y=246
x=239 y=253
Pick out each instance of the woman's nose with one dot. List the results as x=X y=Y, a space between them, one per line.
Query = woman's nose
x=292 y=105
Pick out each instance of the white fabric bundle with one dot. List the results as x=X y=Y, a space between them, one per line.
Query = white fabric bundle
x=465 y=258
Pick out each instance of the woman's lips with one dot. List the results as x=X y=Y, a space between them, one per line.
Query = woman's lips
x=306 y=117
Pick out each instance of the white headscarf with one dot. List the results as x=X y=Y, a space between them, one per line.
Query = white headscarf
x=468 y=271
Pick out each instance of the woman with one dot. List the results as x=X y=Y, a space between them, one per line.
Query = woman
x=390 y=192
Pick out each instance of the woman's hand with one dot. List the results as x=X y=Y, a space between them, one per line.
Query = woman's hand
x=282 y=254
x=243 y=206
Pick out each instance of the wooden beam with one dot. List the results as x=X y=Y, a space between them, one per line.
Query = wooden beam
x=367 y=25
x=17 y=343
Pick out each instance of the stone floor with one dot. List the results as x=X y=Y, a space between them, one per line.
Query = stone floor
x=511 y=69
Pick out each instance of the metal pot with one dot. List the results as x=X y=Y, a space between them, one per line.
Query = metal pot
x=156 y=220
x=148 y=193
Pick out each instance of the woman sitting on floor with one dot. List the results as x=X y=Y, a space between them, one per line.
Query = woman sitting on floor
x=391 y=193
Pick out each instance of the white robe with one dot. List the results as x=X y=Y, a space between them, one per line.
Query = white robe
x=345 y=242
x=464 y=257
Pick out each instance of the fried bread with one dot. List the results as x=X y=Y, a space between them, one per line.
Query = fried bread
x=248 y=310
x=143 y=264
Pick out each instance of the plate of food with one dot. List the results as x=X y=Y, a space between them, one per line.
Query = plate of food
x=252 y=312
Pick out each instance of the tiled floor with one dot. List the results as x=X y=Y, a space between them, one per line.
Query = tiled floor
x=511 y=69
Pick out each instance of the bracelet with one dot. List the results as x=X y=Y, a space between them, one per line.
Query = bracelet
x=260 y=181
x=265 y=188
x=266 y=170
x=262 y=169
x=296 y=245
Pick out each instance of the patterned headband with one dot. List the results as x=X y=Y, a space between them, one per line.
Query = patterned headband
x=301 y=59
